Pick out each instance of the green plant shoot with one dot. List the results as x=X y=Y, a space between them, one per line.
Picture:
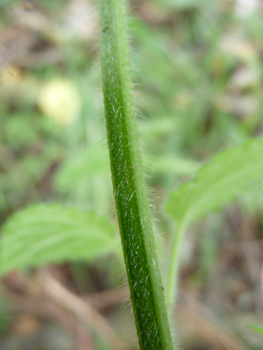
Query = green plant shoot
x=132 y=206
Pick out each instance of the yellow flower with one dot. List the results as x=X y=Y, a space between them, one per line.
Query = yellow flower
x=59 y=100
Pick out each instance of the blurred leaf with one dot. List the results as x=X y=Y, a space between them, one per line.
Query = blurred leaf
x=52 y=233
x=257 y=329
x=173 y=165
x=80 y=166
x=158 y=126
x=216 y=184
x=184 y=4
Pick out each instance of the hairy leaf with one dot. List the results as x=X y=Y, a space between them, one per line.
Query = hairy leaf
x=228 y=174
x=52 y=233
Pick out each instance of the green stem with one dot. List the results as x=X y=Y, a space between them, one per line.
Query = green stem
x=173 y=269
x=131 y=202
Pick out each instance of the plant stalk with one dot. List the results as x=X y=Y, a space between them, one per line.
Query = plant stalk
x=131 y=202
x=173 y=269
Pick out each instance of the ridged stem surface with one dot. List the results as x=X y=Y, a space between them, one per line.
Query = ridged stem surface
x=131 y=202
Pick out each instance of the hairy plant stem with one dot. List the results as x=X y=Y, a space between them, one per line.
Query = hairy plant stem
x=131 y=202
x=173 y=269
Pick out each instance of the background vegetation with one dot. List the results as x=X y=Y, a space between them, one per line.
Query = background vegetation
x=198 y=89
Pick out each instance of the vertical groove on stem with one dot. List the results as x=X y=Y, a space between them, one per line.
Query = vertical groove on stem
x=131 y=202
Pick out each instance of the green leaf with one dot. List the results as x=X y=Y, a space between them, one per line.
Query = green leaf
x=217 y=183
x=257 y=329
x=184 y=4
x=173 y=165
x=52 y=233
x=79 y=167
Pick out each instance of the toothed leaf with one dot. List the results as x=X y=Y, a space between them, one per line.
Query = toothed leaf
x=52 y=233
x=216 y=184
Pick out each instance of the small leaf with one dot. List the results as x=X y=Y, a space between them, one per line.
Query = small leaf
x=52 y=233
x=217 y=183
x=257 y=329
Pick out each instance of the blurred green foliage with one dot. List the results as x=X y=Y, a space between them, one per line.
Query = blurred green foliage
x=183 y=82
x=198 y=88
x=5 y=317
